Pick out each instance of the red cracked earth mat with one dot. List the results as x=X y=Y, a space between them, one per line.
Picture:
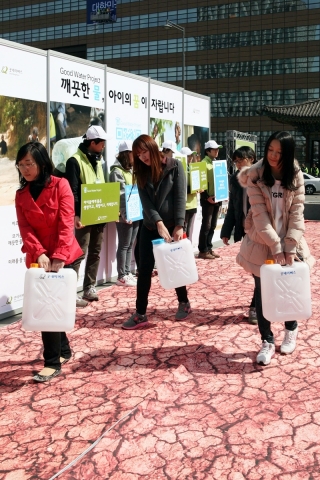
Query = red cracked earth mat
x=178 y=400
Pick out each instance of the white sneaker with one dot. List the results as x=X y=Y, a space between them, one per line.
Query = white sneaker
x=133 y=278
x=80 y=302
x=289 y=342
x=126 y=281
x=266 y=353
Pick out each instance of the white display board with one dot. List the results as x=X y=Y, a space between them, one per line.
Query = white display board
x=166 y=113
x=127 y=118
x=22 y=89
x=76 y=82
x=196 y=110
x=77 y=95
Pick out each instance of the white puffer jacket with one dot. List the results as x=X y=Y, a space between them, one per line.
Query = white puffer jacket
x=261 y=241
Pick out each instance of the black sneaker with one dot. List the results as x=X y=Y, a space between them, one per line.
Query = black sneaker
x=183 y=310
x=136 y=321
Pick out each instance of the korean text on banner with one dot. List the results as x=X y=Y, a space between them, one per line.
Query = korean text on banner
x=100 y=203
x=221 y=185
x=198 y=177
x=133 y=203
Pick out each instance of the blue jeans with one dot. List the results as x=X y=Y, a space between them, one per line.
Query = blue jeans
x=127 y=233
x=264 y=324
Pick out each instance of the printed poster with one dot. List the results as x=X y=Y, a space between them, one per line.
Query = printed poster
x=133 y=203
x=100 y=203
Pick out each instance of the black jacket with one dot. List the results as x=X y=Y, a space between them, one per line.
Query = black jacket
x=235 y=216
x=166 y=202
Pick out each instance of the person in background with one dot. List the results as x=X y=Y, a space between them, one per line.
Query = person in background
x=121 y=171
x=274 y=227
x=3 y=146
x=162 y=188
x=169 y=148
x=34 y=136
x=314 y=170
x=210 y=208
x=45 y=213
x=238 y=208
x=192 y=200
x=84 y=167
x=304 y=169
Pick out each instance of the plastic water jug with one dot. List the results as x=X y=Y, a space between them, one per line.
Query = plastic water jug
x=175 y=263
x=49 y=301
x=285 y=291
x=64 y=149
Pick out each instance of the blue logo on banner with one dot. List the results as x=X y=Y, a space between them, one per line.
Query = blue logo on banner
x=101 y=12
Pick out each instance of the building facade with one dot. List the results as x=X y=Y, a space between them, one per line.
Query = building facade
x=243 y=55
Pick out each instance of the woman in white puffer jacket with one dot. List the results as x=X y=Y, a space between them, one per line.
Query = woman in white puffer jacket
x=274 y=226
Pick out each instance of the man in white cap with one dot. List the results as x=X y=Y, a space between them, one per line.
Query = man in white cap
x=210 y=208
x=169 y=148
x=84 y=167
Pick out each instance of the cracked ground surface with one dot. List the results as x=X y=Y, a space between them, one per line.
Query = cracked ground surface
x=177 y=400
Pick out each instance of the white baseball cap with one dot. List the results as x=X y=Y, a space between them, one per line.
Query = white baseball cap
x=170 y=145
x=211 y=144
x=94 y=132
x=186 y=151
x=125 y=145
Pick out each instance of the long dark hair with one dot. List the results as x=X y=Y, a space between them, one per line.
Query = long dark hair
x=41 y=157
x=287 y=161
x=141 y=171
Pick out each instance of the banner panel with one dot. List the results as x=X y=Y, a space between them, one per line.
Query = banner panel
x=127 y=118
x=23 y=76
x=127 y=108
x=165 y=114
x=196 y=113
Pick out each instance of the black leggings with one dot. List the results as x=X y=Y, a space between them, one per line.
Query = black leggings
x=146 y=265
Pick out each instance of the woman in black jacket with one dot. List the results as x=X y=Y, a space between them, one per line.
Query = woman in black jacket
x=238 y=208
x=162 y=188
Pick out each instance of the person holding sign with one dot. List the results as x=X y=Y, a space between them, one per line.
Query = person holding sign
x=121 y=171
x=84 y=167
x=274 y=227
x=45 y=214
x=162 y=187
x=169 y=148
x=192 y=201
x=238 y=208
x=210 y=208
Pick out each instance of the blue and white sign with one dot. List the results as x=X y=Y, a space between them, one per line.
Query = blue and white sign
x=221 y=184
x=101 y=12
x=133 y=203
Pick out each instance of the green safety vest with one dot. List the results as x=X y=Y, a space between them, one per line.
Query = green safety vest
x=210 y=188
x=87 y=173
x=127 y=175
x=192 y=201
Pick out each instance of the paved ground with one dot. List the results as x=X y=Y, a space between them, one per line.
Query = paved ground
x=179 y=400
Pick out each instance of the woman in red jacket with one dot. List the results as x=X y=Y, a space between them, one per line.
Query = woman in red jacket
x=45 y=212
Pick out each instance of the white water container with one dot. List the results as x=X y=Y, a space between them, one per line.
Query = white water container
x=285 y=291
x=63 y=150
x=49 y=301
x=175 y=263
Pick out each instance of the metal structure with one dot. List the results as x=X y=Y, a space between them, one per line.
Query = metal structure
x=169 y=25
x=232 y=136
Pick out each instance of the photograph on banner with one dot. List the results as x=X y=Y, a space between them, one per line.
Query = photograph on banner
x=195 y=138
x=68 y=124
x=198 y=177
x=245 y=143
x=133 y=203
x=100 y=203
x=21 y=121
x=162 y=130
x=221 y=180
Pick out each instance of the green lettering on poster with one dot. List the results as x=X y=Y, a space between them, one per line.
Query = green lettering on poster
x=100 y=203
x=198 y=177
